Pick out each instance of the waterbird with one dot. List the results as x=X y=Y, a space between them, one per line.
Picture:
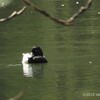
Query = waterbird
x=35 y=56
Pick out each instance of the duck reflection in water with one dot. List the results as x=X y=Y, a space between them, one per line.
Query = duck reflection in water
x=33 y=70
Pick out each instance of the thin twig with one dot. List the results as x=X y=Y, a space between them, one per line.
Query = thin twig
x=80 y=11
x=13 y=14
x=61 y=21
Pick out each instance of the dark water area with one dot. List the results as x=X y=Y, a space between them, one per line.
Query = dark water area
x=73 y=52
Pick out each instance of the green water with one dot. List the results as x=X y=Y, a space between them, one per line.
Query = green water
x=73 y=52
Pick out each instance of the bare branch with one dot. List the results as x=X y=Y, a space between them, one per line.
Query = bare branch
x=61 y=21
x=14 y=14
x=43 y=12
x=80 y=11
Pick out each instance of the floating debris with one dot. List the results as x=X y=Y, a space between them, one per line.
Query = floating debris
x=62 y=5
x=98 y=13
x=77 y=2
x=90 y=62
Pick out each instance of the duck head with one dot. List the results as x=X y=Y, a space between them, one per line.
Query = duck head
x=37 y=51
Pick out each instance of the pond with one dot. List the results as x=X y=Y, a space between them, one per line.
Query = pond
x=73 y=52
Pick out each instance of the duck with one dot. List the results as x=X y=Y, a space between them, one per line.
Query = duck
x=35 y=56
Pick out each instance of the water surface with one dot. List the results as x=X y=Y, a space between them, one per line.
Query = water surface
x=72 y=52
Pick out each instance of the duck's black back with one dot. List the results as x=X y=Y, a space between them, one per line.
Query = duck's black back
x=37 y=59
